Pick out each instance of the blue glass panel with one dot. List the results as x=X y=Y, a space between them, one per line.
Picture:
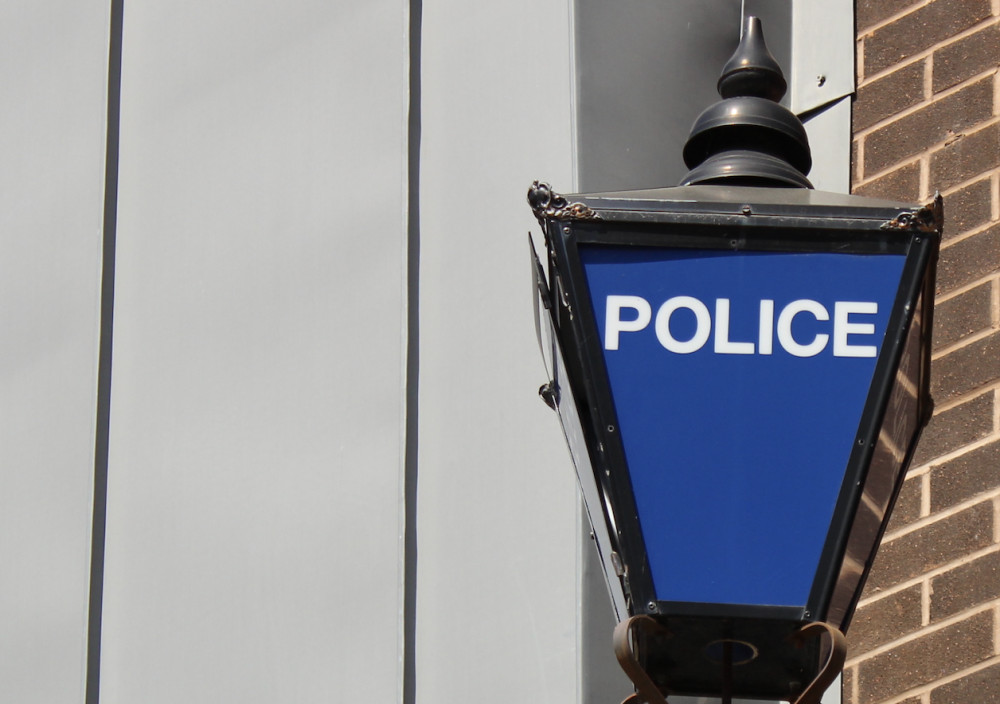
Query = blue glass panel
x=739 y=379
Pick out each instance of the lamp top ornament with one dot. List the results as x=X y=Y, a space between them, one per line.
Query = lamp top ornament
x=748 y=138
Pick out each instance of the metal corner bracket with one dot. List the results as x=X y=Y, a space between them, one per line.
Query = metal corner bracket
x=547 y=204
x=929 y=218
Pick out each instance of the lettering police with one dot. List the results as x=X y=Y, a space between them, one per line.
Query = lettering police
x=849 y=330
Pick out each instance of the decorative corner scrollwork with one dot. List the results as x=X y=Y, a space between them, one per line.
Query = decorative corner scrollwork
x=929 y=218
x=547 y=204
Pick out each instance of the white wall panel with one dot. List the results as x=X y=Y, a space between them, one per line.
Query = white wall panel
x=829 y=132
x=821 y=86
x=253 y=522
x=53 y=78
x=823 y=53
x=496 y=594
x=254 y=548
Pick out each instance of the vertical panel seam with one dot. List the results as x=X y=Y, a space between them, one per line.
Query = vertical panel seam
x=409 y=636
x=102 y=434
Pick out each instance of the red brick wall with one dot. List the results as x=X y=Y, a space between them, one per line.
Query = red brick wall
x=926 y=118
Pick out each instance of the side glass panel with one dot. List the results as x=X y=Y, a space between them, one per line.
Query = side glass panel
x=902 y=418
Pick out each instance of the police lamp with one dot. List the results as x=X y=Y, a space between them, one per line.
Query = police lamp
x=740 y=365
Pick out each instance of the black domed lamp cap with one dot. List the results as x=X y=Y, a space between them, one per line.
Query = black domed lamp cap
x=749 y=138
x=752 y=70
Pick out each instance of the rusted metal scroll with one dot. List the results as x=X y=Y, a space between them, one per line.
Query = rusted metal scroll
x=834 y=662
x=646 y=691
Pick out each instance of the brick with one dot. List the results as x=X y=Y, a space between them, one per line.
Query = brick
x=919 y=30
x=965 y=476
x=870 y=12
x=855 y=162
x=926 y=659
x=955 y=427
x=982 y=686
x=903 y=184
x=969 y=260
x=930 y=125
x=907 y=507
x=967 y=585
x=968 y=208
x=850 y=673
x=966 y=368
x=932 y=546
x=963 y=315
x=885 y=620
x=888 y=95
x=965 y=58
x=966 y=157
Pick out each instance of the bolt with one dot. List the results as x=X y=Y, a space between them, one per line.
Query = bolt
x=747 y=210
x=549 y=394
x=651 y=606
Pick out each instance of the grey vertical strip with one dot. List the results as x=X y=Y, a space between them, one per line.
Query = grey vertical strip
x=634 y=109
x=412 y=359
x=110 y=219
x=602 y=681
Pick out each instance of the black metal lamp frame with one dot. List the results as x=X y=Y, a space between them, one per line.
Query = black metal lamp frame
x=738 y=218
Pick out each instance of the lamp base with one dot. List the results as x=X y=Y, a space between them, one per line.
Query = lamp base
x=647 y=633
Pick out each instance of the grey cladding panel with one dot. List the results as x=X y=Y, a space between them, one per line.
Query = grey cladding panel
x=645 y=70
